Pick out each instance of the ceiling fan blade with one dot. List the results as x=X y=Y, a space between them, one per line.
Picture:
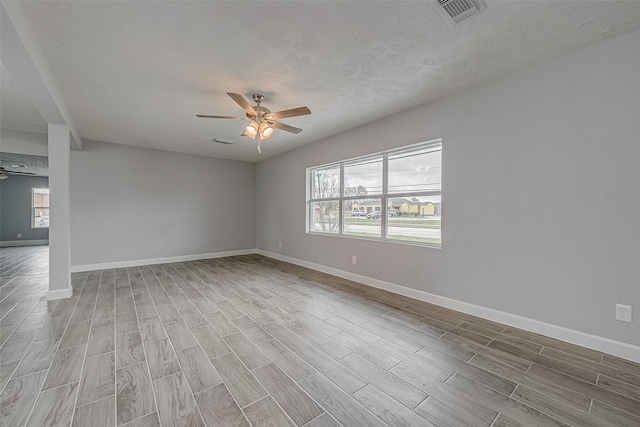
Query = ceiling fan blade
x=243 y=103
x=10 y=172
x=205 y=116
x=285 y=127
x=300 y=111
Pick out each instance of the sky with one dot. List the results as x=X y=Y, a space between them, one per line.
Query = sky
x=406 y=173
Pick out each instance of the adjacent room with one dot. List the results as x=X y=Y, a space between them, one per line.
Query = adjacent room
x=313 y=213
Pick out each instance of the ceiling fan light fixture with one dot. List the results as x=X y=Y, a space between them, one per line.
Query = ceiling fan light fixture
x=251 y=130
x=265 y=131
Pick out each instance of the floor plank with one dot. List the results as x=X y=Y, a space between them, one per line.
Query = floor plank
x=266 y=413
x=54 y=407
x=285 y=359
x=218 y=408
x=176 y=404
x=129 y=350
x=246 y=351
x=198 y=370
x=212 y=344
x=388 y=409
x=161 y=358
x=300 y=407
x=221 y=324
x=66 y=367
x=340 y=405
x=343 y=377
x=180 y=335
x=134 y=395
x=385 y=380
x=101 y=413
x=98 y=379
x=38 y=357
x=101 y=340
x=244 y=387
x=18 y=398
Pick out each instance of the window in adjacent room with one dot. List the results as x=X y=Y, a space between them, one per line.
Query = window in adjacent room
x=40 y=210
x=390 y=196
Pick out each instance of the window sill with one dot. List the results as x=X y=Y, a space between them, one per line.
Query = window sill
x=379 y=239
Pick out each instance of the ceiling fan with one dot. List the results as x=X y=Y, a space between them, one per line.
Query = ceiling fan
x=4 y=174
x=262 y=119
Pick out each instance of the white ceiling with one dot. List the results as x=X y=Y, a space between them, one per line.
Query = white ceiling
x=137 y=73
x=16 y=111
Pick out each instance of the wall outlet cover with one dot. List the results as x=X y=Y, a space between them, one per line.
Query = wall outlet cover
x=353 y=259
x=624 y=313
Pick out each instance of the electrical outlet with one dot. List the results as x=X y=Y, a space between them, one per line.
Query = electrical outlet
x=353 y=259
x=280 y=245
x=624 y=313
x=19 y=235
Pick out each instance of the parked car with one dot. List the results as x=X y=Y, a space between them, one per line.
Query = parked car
x=392 y=212
x=373 y=215
x=358 y=213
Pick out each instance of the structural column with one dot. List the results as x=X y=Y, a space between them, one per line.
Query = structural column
x=60 y=213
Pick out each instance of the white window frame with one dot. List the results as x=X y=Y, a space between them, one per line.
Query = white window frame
x=33 y=208
x=384 y=196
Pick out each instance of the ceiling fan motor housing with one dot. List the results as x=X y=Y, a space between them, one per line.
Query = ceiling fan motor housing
x=262 y=111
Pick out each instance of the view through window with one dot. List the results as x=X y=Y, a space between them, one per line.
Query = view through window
x=394 y=195
x=40 y=211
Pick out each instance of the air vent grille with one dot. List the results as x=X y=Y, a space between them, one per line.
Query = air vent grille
x=219 y=141
x=459 y=9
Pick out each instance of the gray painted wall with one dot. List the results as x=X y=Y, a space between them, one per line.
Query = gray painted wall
x=131 y=203
x=541 y=194
x=15 y=208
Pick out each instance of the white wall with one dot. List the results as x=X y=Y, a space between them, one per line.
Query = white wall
x=541 y=194
x=18 y=142
x=131 y=203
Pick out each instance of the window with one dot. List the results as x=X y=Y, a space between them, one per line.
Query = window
x=390 y=196
x=40 y=210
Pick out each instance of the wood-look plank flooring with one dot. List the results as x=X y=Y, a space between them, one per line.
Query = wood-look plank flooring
x=250 y=341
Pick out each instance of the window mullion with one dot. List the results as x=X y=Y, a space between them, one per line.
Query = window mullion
x=341 y=203
x=384 y=201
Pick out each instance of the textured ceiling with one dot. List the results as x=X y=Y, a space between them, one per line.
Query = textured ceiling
x=16 y=111
x=138 y=72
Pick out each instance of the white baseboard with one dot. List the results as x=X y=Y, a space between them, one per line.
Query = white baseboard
x=606 y=345
x=60 y=294
x=139 y=262
x=11 y=243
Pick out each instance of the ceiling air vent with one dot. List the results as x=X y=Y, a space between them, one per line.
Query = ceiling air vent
x=219 y=141
x=460 y=9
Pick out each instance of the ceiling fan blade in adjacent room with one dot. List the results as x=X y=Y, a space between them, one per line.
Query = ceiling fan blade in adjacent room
x=205 y=116
x=19 y=173
x=285 y=127
x=242 y=102
x=300 y=111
